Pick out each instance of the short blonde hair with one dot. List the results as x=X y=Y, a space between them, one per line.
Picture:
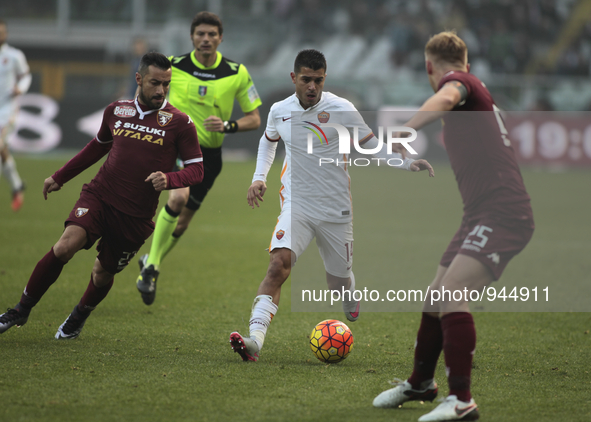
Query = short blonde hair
x=447 y=47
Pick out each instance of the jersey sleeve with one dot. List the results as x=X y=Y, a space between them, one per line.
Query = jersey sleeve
x=188 y=144
x=271 y=132
x=22 y=67
x=459 y=77
x=88 y=156
x=247 y=94
x=191 y=156
x=104 y=134
x=23 y=72
x=265 y=158
x=352 y=119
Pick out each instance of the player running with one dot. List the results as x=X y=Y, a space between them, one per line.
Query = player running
x=204 y=85
x=15 y=80
x=315 y=199
x=496 y=225
x=143 y=138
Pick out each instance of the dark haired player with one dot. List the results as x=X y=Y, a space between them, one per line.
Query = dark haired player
x=319 y=205
x=204 y=85
x=496 y=225
x=143 y=138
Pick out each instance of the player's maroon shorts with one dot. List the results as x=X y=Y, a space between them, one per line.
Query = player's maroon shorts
x=490 y=239
x=121 y=235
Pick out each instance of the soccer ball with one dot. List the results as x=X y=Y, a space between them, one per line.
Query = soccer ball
x=331 y=341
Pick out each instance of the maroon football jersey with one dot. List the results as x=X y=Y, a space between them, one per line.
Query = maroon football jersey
x=481 y=154
x=142 y=143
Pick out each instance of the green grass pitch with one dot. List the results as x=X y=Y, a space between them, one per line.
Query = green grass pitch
x=172 y=361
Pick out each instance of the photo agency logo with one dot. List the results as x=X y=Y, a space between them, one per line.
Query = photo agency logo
x=394 y=135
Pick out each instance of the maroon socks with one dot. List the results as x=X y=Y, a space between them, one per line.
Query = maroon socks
x=46 y=273
x=459 y=343
x=43 y=276
x=93 y=296
x=427 y=351
x=456 y=335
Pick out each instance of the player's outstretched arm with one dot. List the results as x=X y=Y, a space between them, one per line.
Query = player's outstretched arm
x=419 y=165
x=438 y=105
x=255 y=193
x=50 y=185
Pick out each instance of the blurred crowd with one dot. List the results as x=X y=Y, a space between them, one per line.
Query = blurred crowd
x=504 y=35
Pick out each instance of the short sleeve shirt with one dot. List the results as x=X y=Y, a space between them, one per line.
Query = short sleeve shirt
x=210 y=91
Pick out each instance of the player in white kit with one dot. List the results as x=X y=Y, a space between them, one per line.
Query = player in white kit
x=315 y=193
x=15 y=80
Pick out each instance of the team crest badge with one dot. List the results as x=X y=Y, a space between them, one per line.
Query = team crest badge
x=202 y=90
x=280 y=234
x=164 y=118
x=323 y=117
x=81 y=212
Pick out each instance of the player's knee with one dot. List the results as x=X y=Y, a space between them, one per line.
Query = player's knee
x=279 y=267
x=176 y=204
x=100 y=277
x=64 y=251
x=177 y=200
x=73 y=239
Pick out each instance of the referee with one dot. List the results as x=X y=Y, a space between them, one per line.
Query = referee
x=204 y=86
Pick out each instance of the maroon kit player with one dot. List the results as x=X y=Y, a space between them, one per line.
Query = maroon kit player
x=496 y=225
x=143 y=138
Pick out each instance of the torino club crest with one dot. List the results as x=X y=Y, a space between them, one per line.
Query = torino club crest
x=81 y=212
x=164 y=118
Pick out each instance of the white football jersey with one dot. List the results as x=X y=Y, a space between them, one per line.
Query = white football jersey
x=13 y=66
x=315 y=188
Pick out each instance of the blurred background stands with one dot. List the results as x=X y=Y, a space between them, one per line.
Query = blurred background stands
x=532 y=54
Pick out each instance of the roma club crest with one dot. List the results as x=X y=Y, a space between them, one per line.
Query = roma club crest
x=323 y=117
x=81 y=212
x=164 y=118
x=280 y=234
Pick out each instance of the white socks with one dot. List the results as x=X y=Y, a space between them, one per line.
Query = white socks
x=9 y=171
x=349 y=304
x=263 y=310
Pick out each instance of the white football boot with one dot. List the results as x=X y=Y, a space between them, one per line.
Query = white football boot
x=246 y=347
x=453 y=409
x=403 y=392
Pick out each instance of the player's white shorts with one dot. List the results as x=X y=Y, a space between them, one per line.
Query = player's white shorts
x=334 y=240
x=7 y=125
x=8 y=112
